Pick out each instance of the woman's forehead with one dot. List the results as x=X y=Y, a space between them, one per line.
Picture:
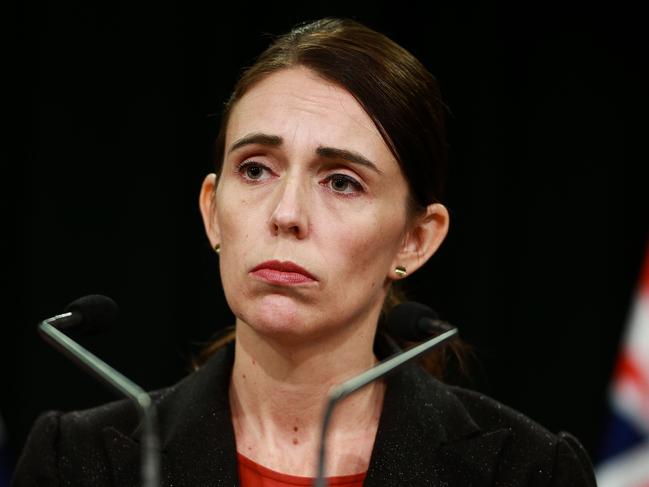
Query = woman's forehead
x=298 y=105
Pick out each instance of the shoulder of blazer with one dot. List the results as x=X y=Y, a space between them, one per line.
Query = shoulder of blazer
x=434 y=434
x=532 y=455
x=100 y=446
x=38 y=464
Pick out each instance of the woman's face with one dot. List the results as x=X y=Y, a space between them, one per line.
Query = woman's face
x=309 y=210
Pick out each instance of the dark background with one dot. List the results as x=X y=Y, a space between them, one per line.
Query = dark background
x=111 y=114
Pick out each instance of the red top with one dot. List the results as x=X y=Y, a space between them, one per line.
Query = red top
x=252 y=474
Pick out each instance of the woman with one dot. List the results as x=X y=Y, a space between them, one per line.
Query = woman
x=330 y=164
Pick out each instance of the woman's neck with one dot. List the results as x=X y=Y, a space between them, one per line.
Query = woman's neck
x=278 y=393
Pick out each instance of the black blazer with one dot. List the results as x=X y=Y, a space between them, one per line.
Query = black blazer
x=429 y=434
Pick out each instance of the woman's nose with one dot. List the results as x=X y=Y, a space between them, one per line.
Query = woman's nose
x=290 y=212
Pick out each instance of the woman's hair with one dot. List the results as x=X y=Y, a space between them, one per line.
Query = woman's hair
x=397 y=92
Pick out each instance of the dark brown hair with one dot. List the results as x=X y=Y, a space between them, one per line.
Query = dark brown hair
x=397 y=92
x=393 y=87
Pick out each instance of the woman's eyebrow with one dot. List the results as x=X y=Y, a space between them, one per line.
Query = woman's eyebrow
x=326 y=152
x=257 y=138
x=349 y=156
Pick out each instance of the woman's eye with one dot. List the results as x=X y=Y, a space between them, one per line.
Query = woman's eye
x=252 y=170
x=341 y=183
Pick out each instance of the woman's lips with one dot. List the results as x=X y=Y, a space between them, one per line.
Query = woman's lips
x=282 y=273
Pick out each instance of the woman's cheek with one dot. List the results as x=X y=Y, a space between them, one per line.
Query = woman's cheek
x=362 y=249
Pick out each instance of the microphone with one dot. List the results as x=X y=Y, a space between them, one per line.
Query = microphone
x=406 y=318
x=91 y=314
x=415 y=322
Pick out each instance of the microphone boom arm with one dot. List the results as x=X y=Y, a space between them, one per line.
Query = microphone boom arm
x=358 y=382
x=100 y=369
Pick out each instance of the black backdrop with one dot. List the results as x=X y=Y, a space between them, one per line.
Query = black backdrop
x=110 y=122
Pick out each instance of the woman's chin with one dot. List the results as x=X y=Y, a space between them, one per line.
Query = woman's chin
x=280 y=316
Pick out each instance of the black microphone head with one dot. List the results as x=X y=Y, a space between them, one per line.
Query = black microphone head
x=97 y=312
x=408 y=321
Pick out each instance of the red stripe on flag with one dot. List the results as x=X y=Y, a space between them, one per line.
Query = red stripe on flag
x=628 y=369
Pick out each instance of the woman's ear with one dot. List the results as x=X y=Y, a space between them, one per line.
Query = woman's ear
x=207 y=204
x=423 y=238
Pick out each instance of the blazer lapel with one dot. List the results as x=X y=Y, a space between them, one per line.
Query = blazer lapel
x=427 y=437
x=196 y=436
x=123 y=455
x=471 y=461
x=198 y=439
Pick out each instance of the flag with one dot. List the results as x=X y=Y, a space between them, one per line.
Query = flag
x=625 y=452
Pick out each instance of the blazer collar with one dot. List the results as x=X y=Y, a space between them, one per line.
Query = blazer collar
x=196 y=435
x=426 y=436
x=424 y=433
